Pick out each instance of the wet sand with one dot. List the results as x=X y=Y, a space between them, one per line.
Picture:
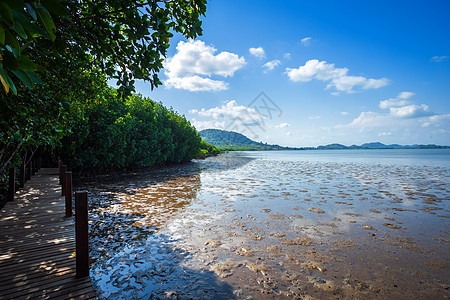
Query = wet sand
x=237 y=227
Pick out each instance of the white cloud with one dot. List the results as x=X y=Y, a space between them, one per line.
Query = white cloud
x=230 y=116
x=401 y=113
x=392 y=103
x=269 y=66
x=313 y=117
x=287 y=56
x=436 y=120
x=283 y=125
x=385 y=133
x=257 y=52
x=405 y=95
x=410 y=111
x=400 y=100
x=344 y=113
x=306 y=41
x=200 y=125
x=231 y=110
x=367 y=119
x=439 y=58
x=194 y=58
x=196 y=84
x=337 y=77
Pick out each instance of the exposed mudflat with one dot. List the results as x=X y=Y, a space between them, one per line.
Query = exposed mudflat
x=237 y=226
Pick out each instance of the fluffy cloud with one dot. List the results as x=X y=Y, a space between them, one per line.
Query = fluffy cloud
x=401 y=113
x=306 y=41
x=436 y=120
x=385 y=133
x=230 y=110
x=257 y=52
x=337 y=77
x=200 y=125
x=269 y=66
x=194 y=58
x=196 y=84
x=405 y=95
x=410 y=111
x=438 y=58
x=394 y=102
x=283 y=125
x=402 y=108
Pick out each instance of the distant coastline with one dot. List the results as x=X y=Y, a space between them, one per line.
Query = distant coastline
x=233 y=141
x=378 y=145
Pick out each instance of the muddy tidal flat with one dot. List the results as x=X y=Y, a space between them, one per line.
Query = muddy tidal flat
x=348 y=224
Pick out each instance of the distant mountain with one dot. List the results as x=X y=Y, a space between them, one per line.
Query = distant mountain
x=378 y=145
x=229 y=140
x=332 y=146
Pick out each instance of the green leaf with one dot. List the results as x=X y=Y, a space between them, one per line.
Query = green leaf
x=17 y=27
x=5 y=12
x=34 y=30
x=55 y=7
x=9 y=61
x=34 y=77
x=47 y=21
x=24 y=78
x=7 y=80
x=11 y=40
x=25 y=64
x=31 y=11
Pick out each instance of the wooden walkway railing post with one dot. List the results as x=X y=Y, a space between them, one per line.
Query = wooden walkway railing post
x=82 y=233
x=22 y=175
x=11 y=184
x=28 y=173
x=68 y=192
x=59 y=170
x=63 y=179
x=34 y=166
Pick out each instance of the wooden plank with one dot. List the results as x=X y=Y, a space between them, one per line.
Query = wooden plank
x=36 y=243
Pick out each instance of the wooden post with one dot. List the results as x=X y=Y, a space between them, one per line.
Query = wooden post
x=33 y=165
x=68 y=192
x=28 y=176
x=39 y=163
x=63 y=179
x=59 y=170
x=11 y=184
x=82 y=233
x=23 y=175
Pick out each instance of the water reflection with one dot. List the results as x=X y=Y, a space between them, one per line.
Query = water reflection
x=129 y=257
x=248 y=225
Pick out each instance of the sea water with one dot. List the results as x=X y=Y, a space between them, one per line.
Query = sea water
x=277 y=224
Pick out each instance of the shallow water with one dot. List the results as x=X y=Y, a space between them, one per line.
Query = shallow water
x=290 y=224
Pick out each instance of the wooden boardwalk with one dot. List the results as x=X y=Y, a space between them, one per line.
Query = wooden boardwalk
x=37 y=244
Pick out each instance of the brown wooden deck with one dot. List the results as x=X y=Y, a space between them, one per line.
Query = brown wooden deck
x=37 y=243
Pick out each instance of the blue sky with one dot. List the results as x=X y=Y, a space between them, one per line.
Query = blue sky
x=345 y=72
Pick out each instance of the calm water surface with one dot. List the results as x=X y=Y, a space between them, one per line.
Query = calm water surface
x=325 y=224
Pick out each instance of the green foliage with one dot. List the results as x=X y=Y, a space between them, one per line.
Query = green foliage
x=138 y=132
x=56 y=54
x=125 y=39
x=207 y=149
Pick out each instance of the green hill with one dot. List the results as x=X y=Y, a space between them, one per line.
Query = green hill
x=229 y=140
